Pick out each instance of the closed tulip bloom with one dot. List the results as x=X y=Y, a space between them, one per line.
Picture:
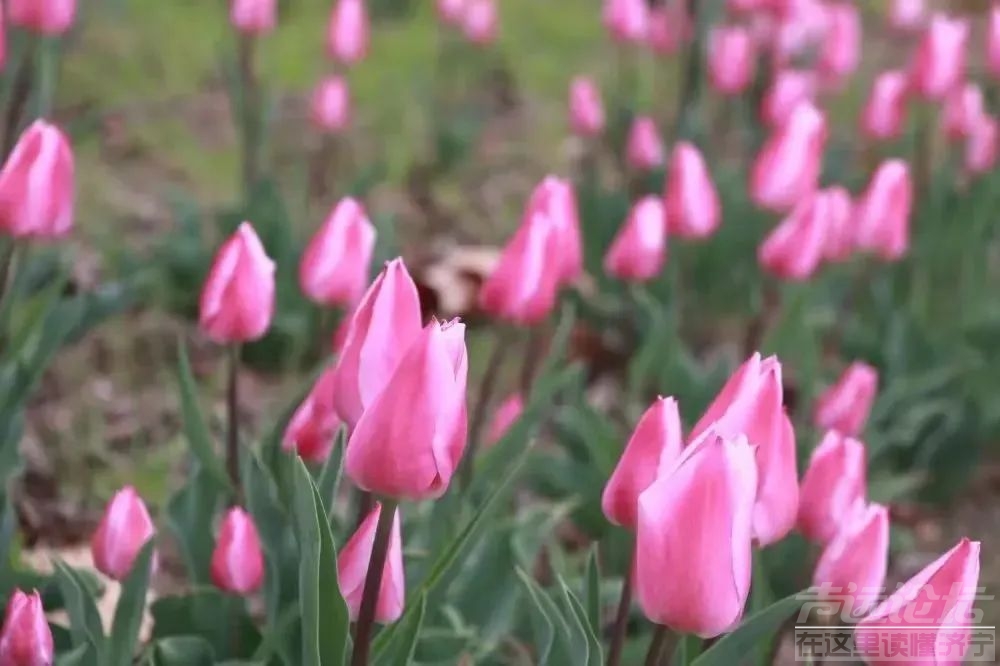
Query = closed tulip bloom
x=654 y=448
x=731 y=59
x=884 y=114
x=692 y=202
x=26 y=639
x=845 y=405
x=939 y=600
x=481 y=23
x=237 y=300
x=840 y=224
x=938 y=66
x=833 y=484
x=347 y=34
x=644 y=149
x=906 y=15
x=253 y=17
x=555 y=199
x=668 y=28
x=640 y=248
x=238 y=561
x=787 y=168
x=883 y=211
x=37 y=185
x=841 y=49
x=451 y=12
x=963 y=107
x=352 y=569
x=334 y=266
x=789 y=87
x=123 y=531
x=800 y=28
x=586 y=110
x=851 y=569
x=410 y=438
x=626 y=20
x=993 y=42
x=330 y=106
x=693 y=539
x=795 y=248
x=981 y=146
x=313 y=426
x=386 y=321
x=507 y=414
x=47 y=17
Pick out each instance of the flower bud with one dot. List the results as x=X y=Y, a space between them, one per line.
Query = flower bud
x=238 y=561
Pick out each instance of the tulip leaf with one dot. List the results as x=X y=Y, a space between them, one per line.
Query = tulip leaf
x=183 y=651
x=404 y=644
x=561 y=651
x=586 y=647
x=688 y=649
x=207 y=613
x=81 y=655
x=189 y=515
x=541 y=624
x=195 y=429
x=592 y=590
x=328 y=481
x=130 y=609
x=85 y=620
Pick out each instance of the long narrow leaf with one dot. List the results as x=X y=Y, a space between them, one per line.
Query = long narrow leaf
x=195 y=429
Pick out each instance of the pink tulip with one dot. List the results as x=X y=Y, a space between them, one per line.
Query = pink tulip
x=851 y=570
x=451 y=12
x=963 y=107
x=938 y=66
x=347 y=34
x=36 y=185
x=712 y=486
x=937 y=602
x=884 y=115
x=330 y=106
x=334 y=267
x=352 y=569
x=586 y=110
x=795 y=248
x=644 y=150
x=789 y=87
x=481 y=22
x=787 y=168
x=731 y=59
x=883 y=211
x=833 y=484
x=692 y=203
x=841 y=50
x=640 y=248
x=653 y=449
x=906 y=15
x=238 y=561
x=47 y=17
x=26 y=639
x=981 y=146
x=993 y=42
x=410 y=438
x=123 y=531
x=845 y=405
x=386 y=321
x=313 y=426
x=801 y=26
x=237 y=300
x=840 y=224
x=507 y=414
x=668 y=29
x=748 y=6
x=253 y=17
x=626 y=20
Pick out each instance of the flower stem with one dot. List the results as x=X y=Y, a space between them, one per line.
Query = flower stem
x=663 y=639
x=487 y=387
x=621 y=620
x=373 y=582
x=250 y=112
x=19 y=95
x=232 y=419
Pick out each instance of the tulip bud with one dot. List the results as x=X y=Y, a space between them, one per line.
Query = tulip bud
x=451 y=12
x=937 y=602
x=653 y=449
x=330 y=106
x=851 y=570
x=626 y=20
x=938 y=66
x=507 y=414
x=667 y=30
x=237 y=300
x=352 y=569
x=841 y=50
x=253 y=17
x=36 y=185
x=789 y=87
x=963 y=107
x=314 y=424
x=692 y=203
x=788 y=166
x=481 y=22
x=801 y=25
x=410 y=438
x=845 y=405
x=46 y=17
x=906 y=15
x=347 y=34
x=993 y=42
x=795 y=248
x=381 y=329
x=123 y=531
x=26 y=639
x=698 y=585
x=731 y=59
x=883 y=211
x=586 y=110
x=833 y=484
x=644 y=150
x=981 y=146
x=334 y=267
x=237 y=561
x=884 y=115
x=640 y=248
x=839 y=223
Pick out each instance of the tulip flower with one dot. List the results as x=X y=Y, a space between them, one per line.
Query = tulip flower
x=352 y=569
x=698 y=583
x=626 y=20
x=963 y=107
x=801 y=26
x=795 y=248
x=993 y=42
x=789 y=87
x=410 y=438
x=644 y=150
x=381 y=329
x=238 y=561
x=330 y=105
x=788 y=166
x=692 y=203
x=839 y=225
x=334 y=267
x=938 y=66
x=555 y=199
x=46 y=17
x=906 y=15
x=841 y=50
x=451 y=12
x=845 y=405
x=981 y=146
x=938 y=602
x=507 y=414
x=347 y=33
x=123 y=531
x=36 y=185
x=313 y=426
x=26 y=639
x=851 y=569
x=731 y=59
x=253 y=17
x=883 y=211
x=586 y=110
x=654 y=448
x=884 y=115
x=833 y=484
x=640 y=248
x=481 y=22
x=237 y=300
x=667 y=29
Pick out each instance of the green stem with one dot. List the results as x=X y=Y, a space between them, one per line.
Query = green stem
x=250 y=111
x=487 y=387
x=662 y=639
x=20 y=93
x=621 y=619
x=232 y=420
x=373 y=582
x=691 y=83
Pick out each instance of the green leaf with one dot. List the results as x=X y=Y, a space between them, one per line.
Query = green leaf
x=85 y=620
x=81 y=655
x=183 y=651
x=592 y=590
x=195 y=429
x=131 y=605
x=328 y=481
x=205 y=612
x=190 y=513
x=688 y=649
x=401 y=651
x=585 y=647
x=541 y=624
